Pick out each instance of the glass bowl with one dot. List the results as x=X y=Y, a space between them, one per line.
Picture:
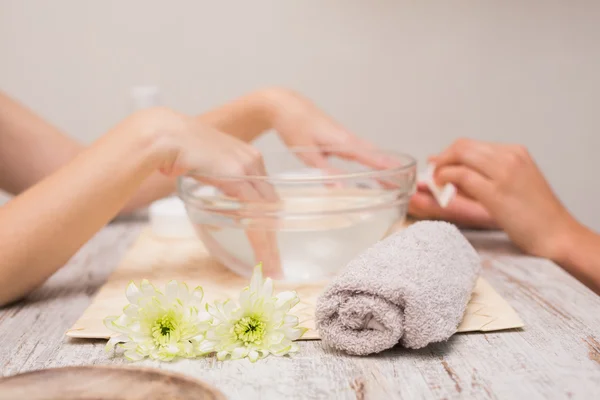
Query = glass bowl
x=312 y=223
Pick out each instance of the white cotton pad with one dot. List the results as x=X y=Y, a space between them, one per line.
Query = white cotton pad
x=443 y=195
x=446 y=195
x=169 y=219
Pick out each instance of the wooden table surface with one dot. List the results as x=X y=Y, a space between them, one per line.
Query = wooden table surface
x=556 y=355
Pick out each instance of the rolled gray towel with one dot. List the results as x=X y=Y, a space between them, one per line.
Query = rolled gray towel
x=410 y=288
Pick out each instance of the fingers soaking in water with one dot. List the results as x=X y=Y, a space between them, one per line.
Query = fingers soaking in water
x=501 y=186
x=253 y=193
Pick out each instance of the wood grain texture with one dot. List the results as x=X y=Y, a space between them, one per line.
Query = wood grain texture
x=554 y=357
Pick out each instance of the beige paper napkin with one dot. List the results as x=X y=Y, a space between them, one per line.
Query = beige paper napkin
x=160 y=260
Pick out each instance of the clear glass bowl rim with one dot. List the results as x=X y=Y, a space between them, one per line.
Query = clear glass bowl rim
x=411 y=163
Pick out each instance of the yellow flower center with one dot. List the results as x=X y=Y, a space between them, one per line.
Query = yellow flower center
x=163 y=328
x=249 y=330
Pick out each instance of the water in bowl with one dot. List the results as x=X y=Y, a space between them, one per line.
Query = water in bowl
x=312 y=246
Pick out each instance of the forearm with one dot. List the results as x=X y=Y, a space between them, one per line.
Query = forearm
x=44 y=226
x=30 y=148
x=579 y=254
x=248 y=116
x=156 y=186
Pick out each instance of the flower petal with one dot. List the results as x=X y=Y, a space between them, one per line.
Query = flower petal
x=228 y=308
x=204 y=317
x=131 y=310
x=286 y=300
x=290 y=321
x=171 y=291
x=197 y=295
x=116 y=324
x=274 y=337
x=206 y=346
x=110 y=345
x=238 y=353
x=253 y=355
x=147 y=288
x=267 y=289
x=133 y=293
x=256 y=281
x=263 y=353
x=108 y=321
x=133 y=355
x=198 y=338
x=294 y=333
x=123 y=320
x=129 y=345
x=280 y=350
x=222 y=355
x=244 y=299
x=172 y=349
x=184 y=292
x=276 y=318
x=187 y=349
x=217 y=309
x=145 y=301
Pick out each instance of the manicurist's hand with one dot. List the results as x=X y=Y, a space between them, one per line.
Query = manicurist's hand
x=501 y=184
x=506 y=182
x=42 y=227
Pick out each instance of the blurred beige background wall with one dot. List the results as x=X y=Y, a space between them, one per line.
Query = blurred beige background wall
x=409 y=75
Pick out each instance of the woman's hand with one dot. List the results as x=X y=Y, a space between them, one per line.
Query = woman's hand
x=462 y=210
x=505 y=181
x=501 y=184
x=188 y=145
x=300 y=123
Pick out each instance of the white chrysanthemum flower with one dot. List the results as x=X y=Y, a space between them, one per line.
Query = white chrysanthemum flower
x=160 y=325
x=257 y=325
